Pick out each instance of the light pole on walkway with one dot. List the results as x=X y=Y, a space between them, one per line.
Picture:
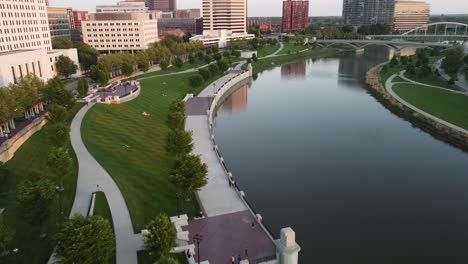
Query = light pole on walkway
x=197 y=239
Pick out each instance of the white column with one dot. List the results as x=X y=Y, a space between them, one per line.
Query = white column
x=287 y=247
x=7 y=128
x=1 y=131
x=12 y=123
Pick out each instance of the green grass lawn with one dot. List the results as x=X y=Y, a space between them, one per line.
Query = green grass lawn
x=399 y=79
x=264 y=64
x=448 y=106
x=173 y=69
x=101 y=208
x=32 y=157
x=267 y=50
x=430 y=79
x=290 y=48
x=130 y=146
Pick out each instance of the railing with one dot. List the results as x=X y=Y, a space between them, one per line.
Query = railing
x=230 y=178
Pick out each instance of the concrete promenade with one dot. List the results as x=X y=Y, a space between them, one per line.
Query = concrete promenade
x=389 y=87
x=90 y=175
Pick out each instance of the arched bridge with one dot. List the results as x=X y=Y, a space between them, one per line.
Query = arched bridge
x=436 y=31
x=397 y=45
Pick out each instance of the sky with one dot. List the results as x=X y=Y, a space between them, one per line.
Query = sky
x=273 y=7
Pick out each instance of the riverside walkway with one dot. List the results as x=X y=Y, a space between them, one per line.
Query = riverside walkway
x=229 y=228
x=389 y=87
x=90 y=175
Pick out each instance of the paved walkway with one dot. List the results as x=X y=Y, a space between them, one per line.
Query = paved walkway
x=276 y=52
x=402 y=75
x=92 y=174
x=389 y=87
x=461 y=83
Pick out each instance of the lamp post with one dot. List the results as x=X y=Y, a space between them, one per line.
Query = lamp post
x=16 y=250
x=197 y=239
x=178 y=196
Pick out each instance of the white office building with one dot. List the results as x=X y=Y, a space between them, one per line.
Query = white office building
x=25 y=43
x=228 y=15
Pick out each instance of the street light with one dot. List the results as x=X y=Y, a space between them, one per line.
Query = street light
x=16 y=250
x=197 y=239
x=178 y=196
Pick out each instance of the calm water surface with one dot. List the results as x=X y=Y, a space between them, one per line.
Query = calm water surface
x=314 y=151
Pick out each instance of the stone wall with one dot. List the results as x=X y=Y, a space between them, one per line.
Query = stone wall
x=10 y=146
x=437 y=130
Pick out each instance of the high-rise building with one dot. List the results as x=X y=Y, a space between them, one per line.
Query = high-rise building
x=228 y=15
x=122 y=27
x=295 y=15
x=410 y=14
x=162 y=5
x=187 y=13
x=76 y=18
x=59 y=22
x=368 y=12
x=25 y=43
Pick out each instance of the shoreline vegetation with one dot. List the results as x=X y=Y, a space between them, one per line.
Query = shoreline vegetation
x=374 y=79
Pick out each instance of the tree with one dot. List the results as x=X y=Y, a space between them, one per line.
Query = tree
x=236 y=53
x=5 y=237
x=85 y=240
x=189 y=174
x=178 y=62
x=453 y=59
x=103 y=76
x=127 y=68
x=254 y=57
x=83 y=87
x=87 y=55
x=179 y=142
x=347 y=29
x=191 y=58
x=195 y=81
x=62 y=43
x=57 y=114
x=205 y=73
x=60 y=163
x=56 y=93
x=422 y=56
x=60 y=134
x=223 y=65
x=177 y=106
x=161 y=237
x=214 y=69
x=176 y=120
x=187 y=37
x=164 y=64
x=208 y=59
x=142 y=61
x=218 y=56
x=65 y=66
x=35 y=197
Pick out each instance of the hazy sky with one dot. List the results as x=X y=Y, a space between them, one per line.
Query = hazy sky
x=273 y=7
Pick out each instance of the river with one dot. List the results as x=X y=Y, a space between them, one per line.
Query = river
x=313 y=150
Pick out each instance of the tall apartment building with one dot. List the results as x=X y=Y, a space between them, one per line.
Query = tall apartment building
x=120 y=28
x=59 y=22
x=295 y=15
x=25 y=43
x=162 y=5
x=410 y=14
x=368 y=12
x=228 y=15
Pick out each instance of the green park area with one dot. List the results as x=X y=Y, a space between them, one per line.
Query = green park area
x=290 y=48
x=446 y=105
x=266 y=50
x=35 y=239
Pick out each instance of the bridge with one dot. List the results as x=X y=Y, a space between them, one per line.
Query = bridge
x=398 y=45
x=438 y=31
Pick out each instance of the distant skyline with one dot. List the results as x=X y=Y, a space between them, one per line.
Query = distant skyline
x=273 y=7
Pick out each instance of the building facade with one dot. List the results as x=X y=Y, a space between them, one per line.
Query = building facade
x=59 y=22
x=220 y=38
x=188 y=13
x=295 y=15
x=368 y=12
x=123 y=7
x=25 y=42
x=76 y=18
x=116 y=32
x=162 y=5
x=24 y=26
x=410 y=14
x=177 y=26
x=228 y=15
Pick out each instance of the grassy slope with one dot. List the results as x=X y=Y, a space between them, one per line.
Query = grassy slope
x=290 y=48
x=267 y=50
x=443 y=104
x=31 y=157
x=130 y=147
x=264 y=64
x=101 y=208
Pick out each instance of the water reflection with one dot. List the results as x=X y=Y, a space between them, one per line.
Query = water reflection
x=237 y=101
x=295 y=70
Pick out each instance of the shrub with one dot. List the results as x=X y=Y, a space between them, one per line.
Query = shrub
x=196 y=81
x=35 y=198
x=161 y=237
x=222 y=65
x=164 y=64
x=60 y=134
x=178 y=62
x=218 y=57
x=57 y=114
x=205 y=73
x=254 y=57
x=175 y=120
x=208 y=59
x=214 y=69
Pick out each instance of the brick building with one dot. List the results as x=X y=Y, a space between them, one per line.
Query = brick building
x=295 y=15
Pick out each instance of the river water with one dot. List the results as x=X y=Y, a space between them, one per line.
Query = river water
x=313 y=150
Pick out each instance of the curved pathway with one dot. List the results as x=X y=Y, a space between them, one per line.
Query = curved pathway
x=276 y=52
x=402 y=75
x=389 y=87
x=90 y=175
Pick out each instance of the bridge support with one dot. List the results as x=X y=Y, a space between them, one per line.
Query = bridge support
x=287 y=247
x=465 y=45
x=360 y=50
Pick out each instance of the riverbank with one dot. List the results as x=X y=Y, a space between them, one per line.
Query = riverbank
x=437 y=130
